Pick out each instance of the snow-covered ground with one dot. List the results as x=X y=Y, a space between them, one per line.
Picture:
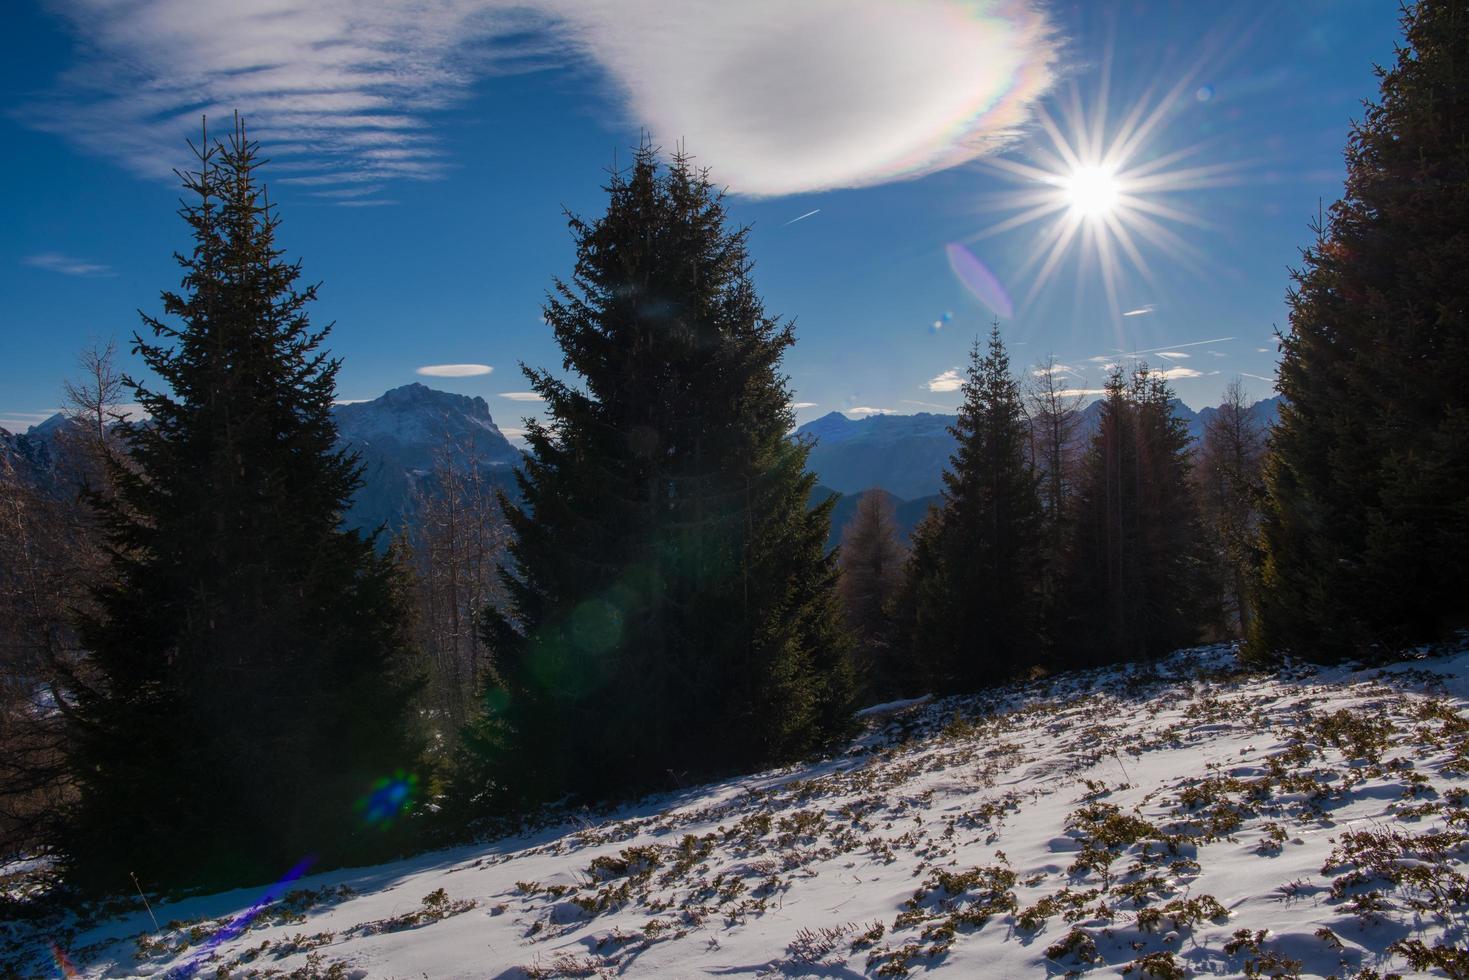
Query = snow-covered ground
x=1170 y=819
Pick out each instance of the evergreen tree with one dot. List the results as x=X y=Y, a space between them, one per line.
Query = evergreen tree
x=243 y=692
x=975 y=576
x=872 y=555
x=672 y=610
x=1137 y=582
x=1367 y=528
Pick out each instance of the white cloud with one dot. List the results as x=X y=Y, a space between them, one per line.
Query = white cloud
x=779 y=98
x=454 y=370
x=66 y=265
x=1140 y=311
x=782 y=98
x=948 y=381
x=1175 y=373
x=800 y=405
x=1073 y=392
x=522 y=396
x=1174 y=355
x=862 y=411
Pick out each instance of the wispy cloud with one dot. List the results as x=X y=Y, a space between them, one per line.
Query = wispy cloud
x=862 y=411
x=801 y=405
x=941 y=408
x=67 y=266
x=1140 y=311
x=1177 y=373
x=454 y=370
x=1174 y=355
x=948 y=381
x=522 y=396
x=1258 y=377
x=830 y=93
x=1074 y=392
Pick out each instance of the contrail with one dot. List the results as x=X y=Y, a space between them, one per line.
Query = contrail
x=806 y=215
x=1154 y=350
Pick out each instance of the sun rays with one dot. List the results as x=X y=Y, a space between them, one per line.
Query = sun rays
x=1101 y=185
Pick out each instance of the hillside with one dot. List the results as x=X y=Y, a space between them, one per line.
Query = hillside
x=1167 y=819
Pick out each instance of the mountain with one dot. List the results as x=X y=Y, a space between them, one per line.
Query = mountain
x=906 y=454
x=903 y=454
x=399 y=437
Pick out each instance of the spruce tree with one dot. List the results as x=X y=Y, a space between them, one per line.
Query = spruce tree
x=1367 y=527
x=871 y=558
x=1138 y=578
x=672 y=610
x=974 y=590
x=243 y=691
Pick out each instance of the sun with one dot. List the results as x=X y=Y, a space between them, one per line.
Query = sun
x=1092 y=191
x=1102 y=189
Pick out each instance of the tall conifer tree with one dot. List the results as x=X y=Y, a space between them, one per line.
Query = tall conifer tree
x=672 y=609
x=974 y=590
x=246 y=658
x=1367 y=527
x=1137 y=582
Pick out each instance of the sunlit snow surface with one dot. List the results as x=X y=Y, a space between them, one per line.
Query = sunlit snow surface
x=1085 y=823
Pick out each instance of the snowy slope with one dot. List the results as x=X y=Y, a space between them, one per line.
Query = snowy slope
x=1183 y=817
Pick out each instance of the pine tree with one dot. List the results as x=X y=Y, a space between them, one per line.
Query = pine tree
x=671 y=607
x=975 y=576
x=871 y=559
x=246 y=690
x=1367 y=528
x=1137 y=583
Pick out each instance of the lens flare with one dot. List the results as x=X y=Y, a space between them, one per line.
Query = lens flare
x=979 y=280
x=238 y=924
x=389 y=799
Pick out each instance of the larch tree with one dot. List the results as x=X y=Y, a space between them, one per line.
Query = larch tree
x=671 y=606
x=1366 y=530
x=871 y=560
x=246 y=685
x=1229 y=475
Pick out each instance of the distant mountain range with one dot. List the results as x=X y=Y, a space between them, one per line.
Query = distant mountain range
x=906 y=454
x=401 y=434
x=399 y=437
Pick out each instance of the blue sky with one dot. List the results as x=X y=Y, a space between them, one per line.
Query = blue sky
x=422 y=153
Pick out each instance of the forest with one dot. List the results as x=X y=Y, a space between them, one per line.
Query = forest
x=206 y=675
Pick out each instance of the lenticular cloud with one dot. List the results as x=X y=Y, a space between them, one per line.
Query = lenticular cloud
x=781 y=98
x=777 y=97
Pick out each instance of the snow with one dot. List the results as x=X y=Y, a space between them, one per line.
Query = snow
x=1187 y=813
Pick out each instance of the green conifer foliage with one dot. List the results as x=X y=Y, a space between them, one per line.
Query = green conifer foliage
x=971 y=602
x=247 y=655
x=1366 y=530
x=1138 y=581
x=672 y=610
